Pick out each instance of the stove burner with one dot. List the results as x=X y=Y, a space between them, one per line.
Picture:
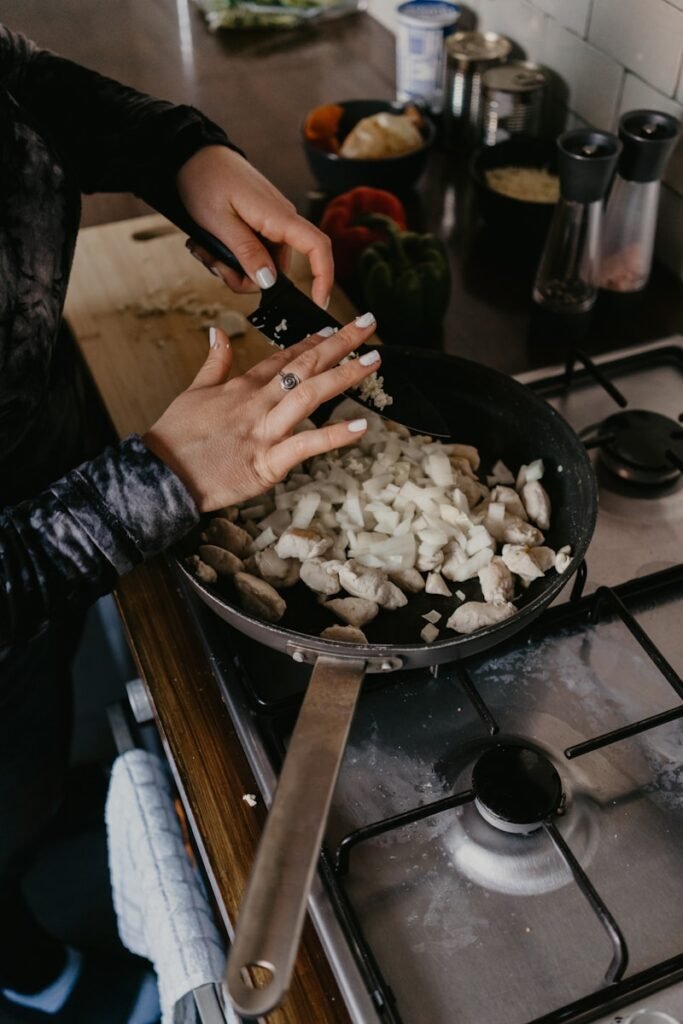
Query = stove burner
x=515 y=788
x=640 y=441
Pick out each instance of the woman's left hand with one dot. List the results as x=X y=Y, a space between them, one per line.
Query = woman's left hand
x=225 y=195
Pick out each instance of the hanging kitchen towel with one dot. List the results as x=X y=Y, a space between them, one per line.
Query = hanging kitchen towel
x=162 y=911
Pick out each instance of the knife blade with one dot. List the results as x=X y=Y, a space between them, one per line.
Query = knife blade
x=285 y=315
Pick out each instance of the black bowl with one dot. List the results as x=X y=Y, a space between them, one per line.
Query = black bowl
x=336 y=173
x=514 y=215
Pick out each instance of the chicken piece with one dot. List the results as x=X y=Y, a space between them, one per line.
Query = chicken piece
x=517 y=531
x=225 y=534
x=474 y=615
x=198 y=568
x=508 y=496
x=497 y=584
x=230 y=512
x=224 y=562
x=537 y=504
x=371 y=584
x=407 y=579
x=473 y=490
x=320 y=576
x=279 y=572
x=466 y=451
x=543 y=557
x=518 y=559
x=437 y=585
x=347 y=634
x=259 y=597
x=355 y=611
x=563 y=558
x=302 y=544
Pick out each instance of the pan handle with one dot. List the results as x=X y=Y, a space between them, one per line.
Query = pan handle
x=274 y=906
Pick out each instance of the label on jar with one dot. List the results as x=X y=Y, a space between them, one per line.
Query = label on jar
x=420 y=55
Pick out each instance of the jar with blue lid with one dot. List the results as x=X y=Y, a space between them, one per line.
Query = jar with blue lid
x=423 y=25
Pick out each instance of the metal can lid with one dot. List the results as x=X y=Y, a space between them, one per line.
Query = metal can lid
x=471 y=47
x=518 y=76
x=429 y=13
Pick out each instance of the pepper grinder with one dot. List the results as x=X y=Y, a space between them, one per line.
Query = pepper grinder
x=566 y=285
x=648 y=138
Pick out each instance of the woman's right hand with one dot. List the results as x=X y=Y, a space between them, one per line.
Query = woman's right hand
x=232 y=440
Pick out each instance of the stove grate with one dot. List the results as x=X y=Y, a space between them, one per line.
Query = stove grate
x=599 y=606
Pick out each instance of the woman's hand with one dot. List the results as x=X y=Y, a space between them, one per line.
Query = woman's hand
x=225 y=195
x=232 y=441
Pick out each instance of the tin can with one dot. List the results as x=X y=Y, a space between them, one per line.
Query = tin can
x=468 y=56
x=422 y=27
x=512 y=101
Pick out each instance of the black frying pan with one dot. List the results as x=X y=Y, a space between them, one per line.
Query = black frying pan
x=504 y=420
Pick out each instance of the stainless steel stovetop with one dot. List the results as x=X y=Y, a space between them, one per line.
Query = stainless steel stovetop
x=439 y=917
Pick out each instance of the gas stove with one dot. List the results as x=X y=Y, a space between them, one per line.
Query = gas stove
x=506 y=838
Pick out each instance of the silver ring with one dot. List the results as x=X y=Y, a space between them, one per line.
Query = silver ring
x=288 y=381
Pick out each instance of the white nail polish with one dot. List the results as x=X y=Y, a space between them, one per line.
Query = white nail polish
x=355 y=426
x=366 y=320
x=368 y=358
x=326 y=332
x=265 y=278
x=212 y=270
x=326 y=303
x=213 y=337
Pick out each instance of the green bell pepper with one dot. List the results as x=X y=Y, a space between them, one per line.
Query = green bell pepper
x=405 y=281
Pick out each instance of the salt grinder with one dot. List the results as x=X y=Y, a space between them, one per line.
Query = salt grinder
x=566 y=285
x=648 y=138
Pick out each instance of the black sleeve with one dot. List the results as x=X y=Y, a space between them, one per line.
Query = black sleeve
x=72 y=541
x=113 y=138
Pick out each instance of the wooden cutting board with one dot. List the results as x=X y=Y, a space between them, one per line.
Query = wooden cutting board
x=141 y=357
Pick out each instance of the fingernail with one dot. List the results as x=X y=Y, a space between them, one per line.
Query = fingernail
x=213 y=337
x=265 y=278
x=216 y=273
x=366 y=320
x=369 y=358
x=326 y=332
x=326 y=303
x=355 y=426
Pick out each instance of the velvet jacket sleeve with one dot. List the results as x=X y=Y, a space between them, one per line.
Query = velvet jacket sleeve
x=72 y=541
x=113 y=138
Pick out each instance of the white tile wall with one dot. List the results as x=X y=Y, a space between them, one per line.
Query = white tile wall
x=644 y=35
x=572 y=14
x=614 y=55
x=594 y=79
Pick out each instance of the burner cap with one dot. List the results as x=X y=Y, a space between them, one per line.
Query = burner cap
x=638 y=449
x=515 y=788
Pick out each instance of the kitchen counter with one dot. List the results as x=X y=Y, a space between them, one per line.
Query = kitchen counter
x=163 y=47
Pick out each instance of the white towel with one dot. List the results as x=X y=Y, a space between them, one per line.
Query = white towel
x=160 y=905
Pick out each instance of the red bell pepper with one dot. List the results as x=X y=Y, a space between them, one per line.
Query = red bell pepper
x=343 y=220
